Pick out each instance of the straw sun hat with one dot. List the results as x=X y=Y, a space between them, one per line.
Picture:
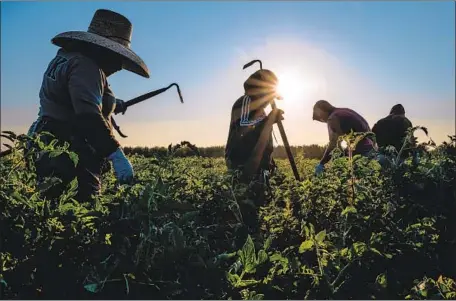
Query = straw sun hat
x=112 y=31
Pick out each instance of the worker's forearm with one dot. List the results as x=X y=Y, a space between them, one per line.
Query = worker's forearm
x=94 y=128
x=327 y=154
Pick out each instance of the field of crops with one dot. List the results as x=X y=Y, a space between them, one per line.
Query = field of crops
x=355 y=232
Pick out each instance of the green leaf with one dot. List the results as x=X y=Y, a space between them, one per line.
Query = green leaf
x=374 y=250
x=10 y=133
x=345 y=252
x=55 y=153
x=450 y=295
x=74 y=157
x=73 y=185
x=257 y=297
x=267 y=243
x=276 y=257
x=91 y=287
x=40 y=144
x=108 y=238
x=262 y=257
x=307 y=231
x=53 y=143
x=232 y=278
x=305 y=246
x=320 y=237
x=247 y=282
x=381 y=280
x=349 y=209
x=359 y=248
x=247 y=256
x=16 y=195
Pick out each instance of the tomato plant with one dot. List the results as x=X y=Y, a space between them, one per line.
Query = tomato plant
x=357 y=231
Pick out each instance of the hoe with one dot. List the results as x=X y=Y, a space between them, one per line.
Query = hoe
x=281 y=129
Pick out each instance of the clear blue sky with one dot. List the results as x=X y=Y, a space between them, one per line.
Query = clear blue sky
x=404 y=48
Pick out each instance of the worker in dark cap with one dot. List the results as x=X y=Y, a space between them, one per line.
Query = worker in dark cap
x=341 y=121
x=392 y=130
x=249 y=146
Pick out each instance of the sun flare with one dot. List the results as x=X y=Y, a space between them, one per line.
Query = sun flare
x=297 y=87
x=290 y=86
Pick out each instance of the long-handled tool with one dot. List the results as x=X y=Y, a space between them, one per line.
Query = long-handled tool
x=281 y=128
x=122 y=107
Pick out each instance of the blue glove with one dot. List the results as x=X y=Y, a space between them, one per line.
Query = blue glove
x=122 y=167
x=319 y=169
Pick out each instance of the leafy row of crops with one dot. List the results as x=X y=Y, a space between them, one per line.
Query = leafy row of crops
x=312 y=151
x=357 y=231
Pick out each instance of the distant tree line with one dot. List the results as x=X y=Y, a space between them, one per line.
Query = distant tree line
x=312 y=151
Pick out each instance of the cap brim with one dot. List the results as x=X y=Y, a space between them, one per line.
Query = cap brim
x=132 y=62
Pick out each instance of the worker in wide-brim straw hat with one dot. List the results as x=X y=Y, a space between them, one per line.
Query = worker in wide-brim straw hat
x=76 y=101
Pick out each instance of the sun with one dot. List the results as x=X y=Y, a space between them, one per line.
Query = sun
x=290 y=86
x=298 y=87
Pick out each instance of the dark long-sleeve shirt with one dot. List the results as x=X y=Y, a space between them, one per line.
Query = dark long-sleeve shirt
x=341 y=122
x=75 y=91
x=247 y=123
x=391 y=130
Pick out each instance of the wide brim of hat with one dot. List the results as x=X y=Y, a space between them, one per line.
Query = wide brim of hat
x=132 y=62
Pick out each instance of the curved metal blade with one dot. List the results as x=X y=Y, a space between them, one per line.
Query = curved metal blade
x=253 y=62
x=178 y=91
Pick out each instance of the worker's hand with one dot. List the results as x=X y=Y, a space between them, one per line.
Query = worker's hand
x=122 y=167
x=319 y=169
x=120 y=106
x=275 y=115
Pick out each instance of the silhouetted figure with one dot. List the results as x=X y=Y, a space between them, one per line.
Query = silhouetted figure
x=392 y=130
x=76 y=102
x=341 y=121
x=249 y=146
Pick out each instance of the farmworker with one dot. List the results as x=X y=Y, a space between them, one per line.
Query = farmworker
x=249 y=146
x=341 y=121
x=392 y=131
x=76 y=102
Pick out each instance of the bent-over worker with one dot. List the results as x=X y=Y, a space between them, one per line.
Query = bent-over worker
x=340 y=121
